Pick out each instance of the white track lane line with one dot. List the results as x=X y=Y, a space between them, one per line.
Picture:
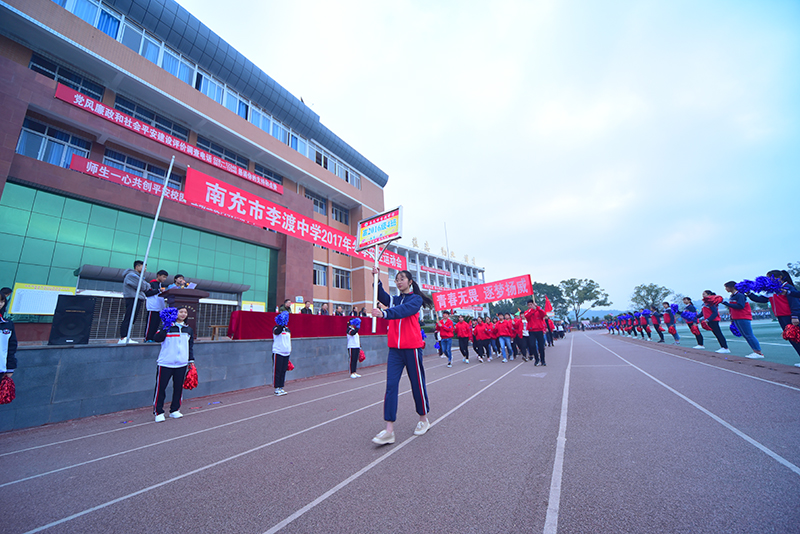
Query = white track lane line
x=377 y=461
x=554 y=501
x=719 y=368
x=190 y=434
x=208 y=410
x=224 y=460
x=775 y=456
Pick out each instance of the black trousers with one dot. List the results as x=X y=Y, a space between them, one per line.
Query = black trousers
x=522 y=345
x=699 y=336
x=123 y=326
x=463 y=346
x=536 y=346
x=784 y=321
x=163 y=376
x=718 y=334
x=153 y=322
x=353 y=359
x=279 y=365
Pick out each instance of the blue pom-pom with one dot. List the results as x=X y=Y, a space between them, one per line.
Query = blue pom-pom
x=674 y=308
x=355 y=322
x=767 y=284
x=636 y=314
x=282 y=319
x=436 y=345
x=735 y=330
x=168 y=316
x=745 y=286
x=424 y=335
x=645 y=312
x=689 y=317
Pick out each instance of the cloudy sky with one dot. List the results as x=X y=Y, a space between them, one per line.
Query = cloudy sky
x=628 y=142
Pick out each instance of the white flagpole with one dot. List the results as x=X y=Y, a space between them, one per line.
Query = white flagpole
x=147 y=252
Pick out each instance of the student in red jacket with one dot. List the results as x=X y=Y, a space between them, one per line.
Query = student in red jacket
x=493 y=336
x=535 y=316
x=550 y=329
x=445 y=330
x=785 y=305
x=519 y=340
x=669 y=321
x=463 y=333
x=505 y=329
x=484 y=333
x=405 y=338
x=711 y=301
x=742 y=317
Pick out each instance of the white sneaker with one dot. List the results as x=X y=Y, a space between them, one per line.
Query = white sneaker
x=797 y=365
x=449 y=364
x=466 y=361
x=723 y=351
x=754 y=356
x=175 y=415
x=505 y=361
x=355 y=375
x=422 y=427
x=383 y=438
x=279 y=392
x=698 y=347
x=160 y=418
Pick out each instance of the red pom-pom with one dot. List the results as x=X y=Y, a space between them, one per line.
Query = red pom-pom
x=361 y=356
x=8 y=392
x=792 y=333
x=672 y=330
x=639 y=329
x=705 y=326
x=647 y=328
x=694 y=329
x=190 y=382
x=290 y=366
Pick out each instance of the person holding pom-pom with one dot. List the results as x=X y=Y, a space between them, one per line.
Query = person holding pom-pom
x=711 y=302
x=353 y=345
x=742 y=317
x=669 y=321
x=688 y=311
x=281 y=350
x=8 y=344
x=785 y=305
x=174 y=359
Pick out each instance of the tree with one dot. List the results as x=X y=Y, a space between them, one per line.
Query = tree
x=794 y=269
x=649 y=296
x=608 y=317
x=540 y=291
x=576 y=292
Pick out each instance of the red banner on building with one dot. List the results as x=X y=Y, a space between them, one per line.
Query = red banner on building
x=434 y=271
x=509 y=288
x=214 y=195
x=428 y=287
x=70 y=96
x=112 y=174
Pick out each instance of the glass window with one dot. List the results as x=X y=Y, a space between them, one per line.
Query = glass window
x=224 y=153
x=108 y=23
x=137 y=167
x=279 y=132
x=66 y=76
x=236 y=104
x=268 y=174
x=51 y=145
x=340 y=213
x=341 y=279
x=206 y=85
x=150 y=117
x=173 y=64
x=320 y=204
x=132 y=37
x=320 y=275
x=301 y=146
x=85 y=10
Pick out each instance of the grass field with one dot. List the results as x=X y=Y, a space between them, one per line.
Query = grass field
x=775 y=348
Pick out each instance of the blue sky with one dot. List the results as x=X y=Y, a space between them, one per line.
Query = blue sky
x=628 y=142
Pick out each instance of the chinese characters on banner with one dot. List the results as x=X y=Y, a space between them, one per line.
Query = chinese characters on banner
x=117 y=176
x=509 y=288
x=380 y=229
x=70 y=96
x=428 y=287
x=434 y=271
x=224 y=199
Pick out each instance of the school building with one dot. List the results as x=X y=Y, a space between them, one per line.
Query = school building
x=98 y=96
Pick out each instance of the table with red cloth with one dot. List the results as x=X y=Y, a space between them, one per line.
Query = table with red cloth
x=259 y=325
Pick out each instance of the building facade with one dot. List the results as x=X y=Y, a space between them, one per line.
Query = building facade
x=148 y=81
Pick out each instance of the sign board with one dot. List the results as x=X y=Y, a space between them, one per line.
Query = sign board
x=519 y=286
x=251 y=305
x=379 y=229
x=434 y=271
x=37 y=299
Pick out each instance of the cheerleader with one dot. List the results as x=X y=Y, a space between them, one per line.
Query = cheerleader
x=742 y=318
x=669 y=321
x=785 y=305
x=689 y=307
x=174 y=359
x=710 y=321
x=354 y=345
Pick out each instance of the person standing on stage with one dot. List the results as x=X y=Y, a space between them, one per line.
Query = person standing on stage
x=154 y=303
x=133 y=302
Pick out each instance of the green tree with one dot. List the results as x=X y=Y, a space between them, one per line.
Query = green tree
x=577 y=292
x=794 y=269
x=608 y=317
x=649 y=296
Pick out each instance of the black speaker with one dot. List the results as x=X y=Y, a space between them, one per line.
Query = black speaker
x=72 y=321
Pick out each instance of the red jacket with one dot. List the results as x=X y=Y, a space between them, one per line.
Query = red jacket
x=505 y=329
x=482 y=332
x=518 y=326
x=463 y=329
x=404 y=330
x=535 y=317
x=445 y=328
x=493 y=330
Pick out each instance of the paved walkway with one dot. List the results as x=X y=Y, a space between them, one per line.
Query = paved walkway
x=612 y=436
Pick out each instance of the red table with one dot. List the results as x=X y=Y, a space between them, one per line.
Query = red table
x=259 y=325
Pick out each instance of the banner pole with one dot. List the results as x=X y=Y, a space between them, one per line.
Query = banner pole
x=375 y=278
x=147 y=252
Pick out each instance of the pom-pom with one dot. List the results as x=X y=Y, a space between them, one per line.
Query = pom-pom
x=190 y=382
x=705 y=325
x=688 y=316
x=168 y=317
x=694 y=329
x=767 y=284
x=282 y=319
x=672 y=330
x=355 y=322
x=745 y=286
x=647 y=328
x=436 y=345
x=8 y=392
x=735 y=330
x=289 y=365
x=646 y=312
x=792 y=333
x=636 y=314
x=674 y=308
x=424 y=335
x=361 y=356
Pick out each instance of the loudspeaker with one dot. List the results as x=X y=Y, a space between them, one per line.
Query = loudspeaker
x=72 y=321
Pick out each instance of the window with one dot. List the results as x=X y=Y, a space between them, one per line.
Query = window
x=320 y=275
x=298 y=143
x=341 y=279
x=137 y=167
x=67 y=77
x=320 y=204
x=268 y=174
x=107 y=22
x=279 y=132
x=137 y=40
x=208 y=86
x=150 y=117
x=236 y=104
x=172 y=63
x=221 y=151
x=340 y=214
x=49 y=144
x=260 y=119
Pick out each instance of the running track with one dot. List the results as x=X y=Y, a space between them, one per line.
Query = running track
x=612 y=436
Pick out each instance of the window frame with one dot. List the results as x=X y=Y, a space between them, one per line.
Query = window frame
x=344 y=276
x=46 y=133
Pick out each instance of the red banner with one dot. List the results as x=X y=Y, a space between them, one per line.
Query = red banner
x=509 y=288
x=112 y=174
x=428 y=287
x=434 y=271
x=214 y=195
x=70 y=96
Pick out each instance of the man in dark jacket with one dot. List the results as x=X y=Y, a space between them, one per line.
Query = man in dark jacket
x=130 y=282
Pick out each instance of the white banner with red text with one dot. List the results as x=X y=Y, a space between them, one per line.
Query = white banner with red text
x=509 y=288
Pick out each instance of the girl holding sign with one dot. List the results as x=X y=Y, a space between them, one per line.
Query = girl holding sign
x=405 y=338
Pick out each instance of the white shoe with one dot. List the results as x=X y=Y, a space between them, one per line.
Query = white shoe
x=449 y=364
x=505 y=361
x=422 y=427
x=123 y=341
x=797 y=365
x=383 y=438
x=160 y=418
x=279 y=392
x=754 y=356
x=175 y=415
x=723 y=351
x=698 y=347
x=355 y=375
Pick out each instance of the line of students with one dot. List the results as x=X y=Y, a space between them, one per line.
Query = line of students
x=785 y=306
